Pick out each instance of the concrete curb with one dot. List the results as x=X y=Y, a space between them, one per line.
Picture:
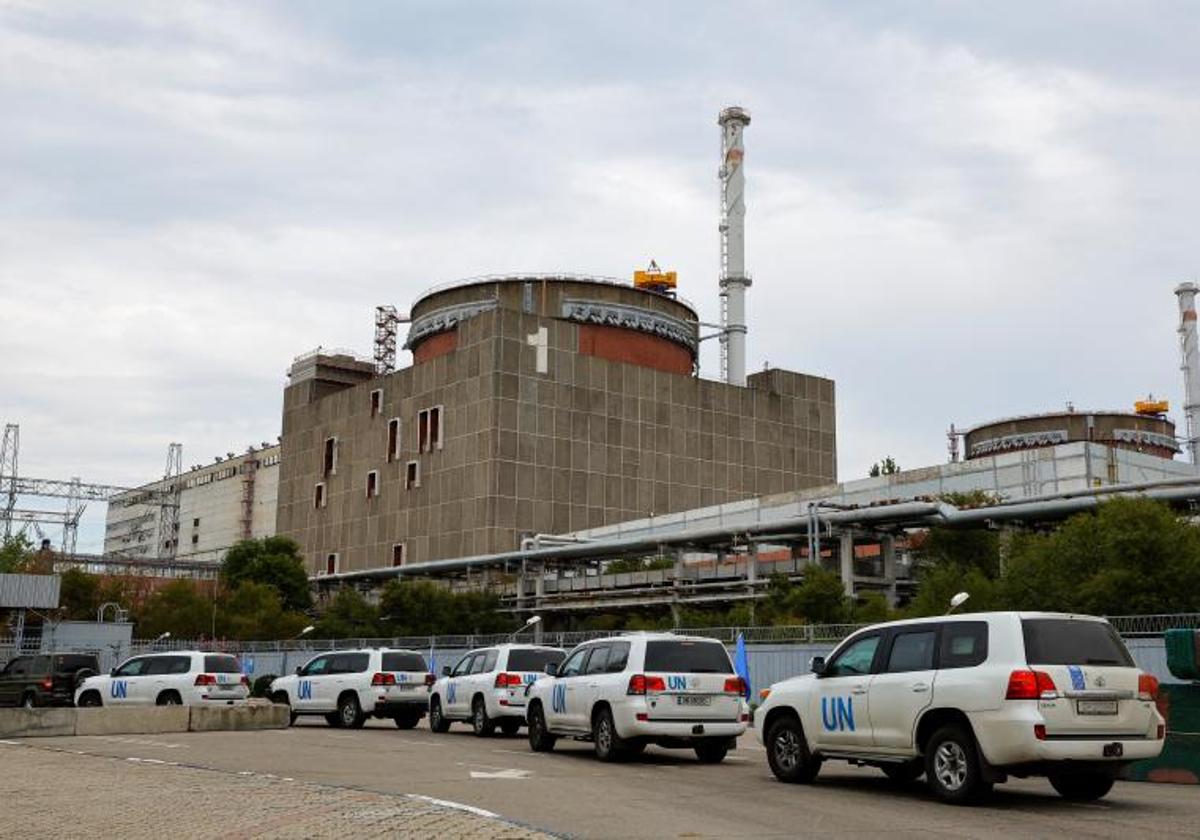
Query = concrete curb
x=145 y=720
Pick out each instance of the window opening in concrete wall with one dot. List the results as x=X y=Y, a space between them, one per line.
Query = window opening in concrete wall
x=423 y=430
x=398 y=554
x=196 y=523
x=195 y=539
x=372 y=484
x=376 y=402
x=331 y=564
x=393 y=439
x=412 y=475
x=329 y=464
x=319 y=496
x=435 y=427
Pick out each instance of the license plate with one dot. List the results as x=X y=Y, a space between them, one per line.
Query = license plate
x=690 y=700
x=1096 y=707
x=1114 y=750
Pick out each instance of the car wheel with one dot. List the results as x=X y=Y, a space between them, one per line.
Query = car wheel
x=29 y=701
x=480 y=722
x=510 y=727
x=334 y=719
x=407 y=721
x=711 y=753
x=280 y=698
x=437 y=721
x=1081 y=787
x=168 y=698
x=609 y=746
x=90 y=700
x=952 y=766
x=909 y=771
x=788 y=754
x=540 y=739
x=350 y=713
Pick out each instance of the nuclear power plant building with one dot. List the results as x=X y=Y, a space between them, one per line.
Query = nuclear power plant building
x=534 y=404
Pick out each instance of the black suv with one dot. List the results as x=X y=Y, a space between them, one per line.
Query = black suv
x=45 y=679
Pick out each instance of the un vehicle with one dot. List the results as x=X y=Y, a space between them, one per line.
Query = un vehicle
x=969 y=701
x=487 y=687
x=190 y=678
x=347 y=686
x=626 y=692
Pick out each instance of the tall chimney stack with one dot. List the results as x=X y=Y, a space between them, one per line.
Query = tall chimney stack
x=734 y=279
x=1190 y=351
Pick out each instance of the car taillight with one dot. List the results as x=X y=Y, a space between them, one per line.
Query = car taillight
x=205 y=679
x=430 y=679
x=641 y=684
x=48 y=683
x=1162 y=732
x=383 y=679
x=507 y=680
x=734 y=685
x=1030 y=685
x=1147 y=687
x=245 y=680
x=1039 y=731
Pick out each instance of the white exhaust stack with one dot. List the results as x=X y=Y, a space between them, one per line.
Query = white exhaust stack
x=734 y=280
x=1190 y=350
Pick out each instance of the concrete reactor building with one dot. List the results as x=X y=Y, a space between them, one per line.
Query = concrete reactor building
x=534 y=404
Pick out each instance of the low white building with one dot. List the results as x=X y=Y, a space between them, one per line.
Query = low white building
x=230 y=500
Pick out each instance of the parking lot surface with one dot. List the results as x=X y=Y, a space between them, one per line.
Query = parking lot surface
x=665 y=793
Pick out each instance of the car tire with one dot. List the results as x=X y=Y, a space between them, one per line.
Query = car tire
x=350 y=713
x=91 y=700
x=407 y=721
x=280 y=698
x=1081 y=787
x=483 y=725
x=952 y=766
x=334 y=719
x=437 y=721
x=710 y=752
x=168 y=698
x=902 y=774
x=29 y=701
x=510 y=727
x=540 y=739
x=608 y=744
x=788 y=754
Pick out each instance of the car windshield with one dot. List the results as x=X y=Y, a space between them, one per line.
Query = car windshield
x=1066 y=641
x=221 y=665
x=403 y=662
x=687 y=657
x=533 y=660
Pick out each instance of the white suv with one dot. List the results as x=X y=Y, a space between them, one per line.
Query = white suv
x=625 y=692
x=487 y=687
x=968 y=701
x=190 y=678
x=347 y=686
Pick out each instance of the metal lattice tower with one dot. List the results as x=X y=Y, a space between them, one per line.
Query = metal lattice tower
x=168 y=516
x=8 y=472
x=734 y=280
x=75 y=508
x=387 y=321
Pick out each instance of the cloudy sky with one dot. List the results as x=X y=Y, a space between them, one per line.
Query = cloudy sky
x=955 y=210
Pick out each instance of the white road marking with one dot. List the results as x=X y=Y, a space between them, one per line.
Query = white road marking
x=446 y=803
x=501 y=774
x=11 y=743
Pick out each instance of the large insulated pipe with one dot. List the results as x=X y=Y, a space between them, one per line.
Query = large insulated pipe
x=734 y=280
x=1190 y=351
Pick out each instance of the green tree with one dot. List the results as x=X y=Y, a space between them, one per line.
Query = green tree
x=348 y=616
x=820 y=598
x=887 y=466
x=255 y=611
x=418 y=608
x=940 y=583
x=16 y=552
x=78 y=595
x=638 y=564
x=179 y=608
x=273 y=561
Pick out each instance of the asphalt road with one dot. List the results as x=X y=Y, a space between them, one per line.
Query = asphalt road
x=665 y=793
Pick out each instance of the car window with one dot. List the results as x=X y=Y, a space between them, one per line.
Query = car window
x=133 y=667
x=1065 y=641
x=854 y=659
x=912 y=651
x=70 y=663
x=317 y=667
x=40 y=665
x=687 y=657
x=402 y=661
x=964 y=644
x=533 y=661
x=597 y=663
x=464 y=665
x=574 y=664
x=618 y=657
x=351 y=663
x=221 y=664
x=18 y=667
x=488 y=663
x=160 y=665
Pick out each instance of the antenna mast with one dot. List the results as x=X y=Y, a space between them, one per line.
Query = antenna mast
x=734 y=279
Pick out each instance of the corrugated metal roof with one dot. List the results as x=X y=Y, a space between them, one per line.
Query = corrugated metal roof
x=31 y=592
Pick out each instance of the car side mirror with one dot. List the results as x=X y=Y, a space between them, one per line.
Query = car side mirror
x=445 y=670
x=299 y=670
x=817 y=665
x=551 y=669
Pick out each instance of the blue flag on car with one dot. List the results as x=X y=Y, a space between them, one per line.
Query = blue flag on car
x=741 y=663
